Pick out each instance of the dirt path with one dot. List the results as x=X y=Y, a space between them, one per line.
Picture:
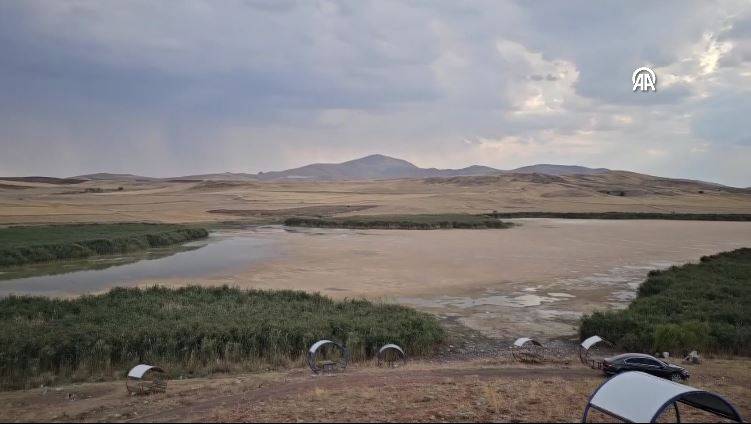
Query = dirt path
x=365 y=379
x=466 y=390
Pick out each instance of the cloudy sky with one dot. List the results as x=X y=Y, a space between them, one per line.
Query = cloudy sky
x=179 y=87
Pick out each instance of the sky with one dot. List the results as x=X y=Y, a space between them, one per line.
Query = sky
x=168 y=88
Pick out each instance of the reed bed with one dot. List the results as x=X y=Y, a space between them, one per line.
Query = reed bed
x=702 y=307
x=402 y=222
x=191 y=331
x=45 y=243
x=627 y=215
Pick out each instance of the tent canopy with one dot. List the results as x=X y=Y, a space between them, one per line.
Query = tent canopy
x=318 y=344
x=390 y=346
x=586 y=344
x=139 y=370
x=521 y=341
x=639 y=397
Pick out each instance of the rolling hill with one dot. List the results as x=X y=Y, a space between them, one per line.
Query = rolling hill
x=105 y=176
x=548 y=169
x=381 y=167
x=372 y=167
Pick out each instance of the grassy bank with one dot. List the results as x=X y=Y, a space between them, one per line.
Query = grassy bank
x=702 y=306
x=402 y=222
x=626 y=215
x=190 y=331
x=24 y=245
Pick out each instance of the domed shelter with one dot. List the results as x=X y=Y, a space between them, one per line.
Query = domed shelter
x=587 y=349
x=327 y=356
x=527 y=349
x=391 y=355
x=640 y=397
x=146 y=379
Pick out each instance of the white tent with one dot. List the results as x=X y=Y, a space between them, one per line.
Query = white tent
x=144 y=379
x=584 y=353
x=527 y=349
x=521 y=341
x=139 y=370
x=640 y=397
x=586 y=344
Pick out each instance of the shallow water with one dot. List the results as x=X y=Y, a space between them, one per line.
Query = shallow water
x=535 y=279
x=222 y=251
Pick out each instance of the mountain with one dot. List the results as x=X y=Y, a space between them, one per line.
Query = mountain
x=373 y=167
x=558 y=170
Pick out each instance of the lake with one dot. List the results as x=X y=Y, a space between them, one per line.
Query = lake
x=536 y=278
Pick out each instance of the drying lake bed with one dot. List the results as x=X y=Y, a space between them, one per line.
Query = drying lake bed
x=535 y=278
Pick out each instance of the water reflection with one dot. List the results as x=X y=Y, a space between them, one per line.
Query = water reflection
x=222 y=251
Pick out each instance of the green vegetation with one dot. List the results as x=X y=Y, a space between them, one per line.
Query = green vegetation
x=191 y=331
x=626 y=215
x=402 y=222
x=701 y=306
x=24 y=245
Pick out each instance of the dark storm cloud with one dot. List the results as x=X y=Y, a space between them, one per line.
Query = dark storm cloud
x=724 y=120
x=165 y=88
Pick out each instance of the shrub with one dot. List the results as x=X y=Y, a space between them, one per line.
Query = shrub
x=700 y=306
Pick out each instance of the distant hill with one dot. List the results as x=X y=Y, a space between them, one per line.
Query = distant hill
x=224 y=176
x=45 y=180
x=373 y=167
x=105 y=176
x=611 y=183
x=470 y=171
x=558 y=170
x=381 y=167
x=368 y=168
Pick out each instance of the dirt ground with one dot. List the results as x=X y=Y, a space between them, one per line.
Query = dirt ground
x=189 y=201
x=478 y=390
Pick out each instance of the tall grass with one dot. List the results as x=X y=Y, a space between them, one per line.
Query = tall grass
x=190 y=331
x=401 y=222
x=24 y=245
x=704 y=306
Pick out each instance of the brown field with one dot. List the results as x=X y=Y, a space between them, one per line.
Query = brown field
x=191 y=201
x=480 y=390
